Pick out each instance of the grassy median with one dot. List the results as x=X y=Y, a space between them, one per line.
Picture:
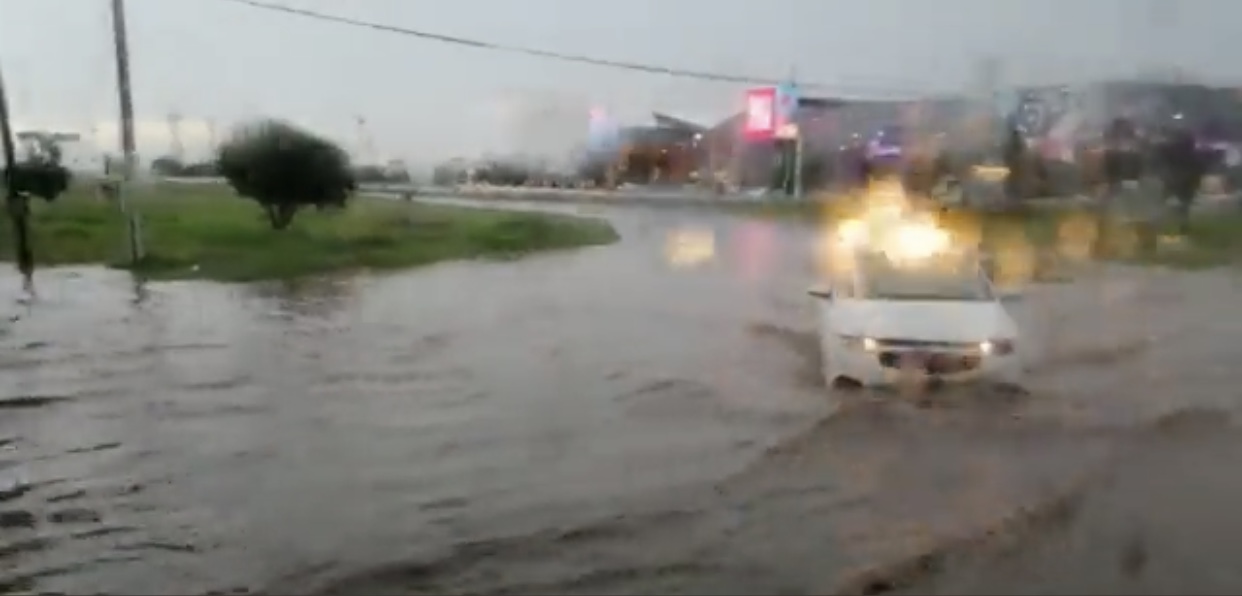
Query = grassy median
x=207 y=232
x=1059 y=234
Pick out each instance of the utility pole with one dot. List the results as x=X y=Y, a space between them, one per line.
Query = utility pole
x=790 y=135
x=176 y=148
x=120 y=40
x=18 y=207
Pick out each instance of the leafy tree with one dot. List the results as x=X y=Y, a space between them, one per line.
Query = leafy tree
x=167 y=166
x=502 y=173
x=201 y=169
x=450 y=173
x=1017 y=162
x=41 y=179
x=398 y=172
x=593 y=170
x=371 y=174
x=285 y=168
x=40 y=172
x=1184 y=166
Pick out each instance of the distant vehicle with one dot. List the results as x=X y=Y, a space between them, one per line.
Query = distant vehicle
x=913 y=308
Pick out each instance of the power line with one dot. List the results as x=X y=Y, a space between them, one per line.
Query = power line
x=704 y=75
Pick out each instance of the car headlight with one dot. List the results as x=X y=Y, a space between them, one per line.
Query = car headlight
x=852 y=233
x=917 y=241
x=996 y=347
x=855 y=342
x=990 y=173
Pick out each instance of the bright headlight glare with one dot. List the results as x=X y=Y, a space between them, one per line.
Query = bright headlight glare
x=999 y=347
x=866 y=344
x=852 y=233
x=915 y=241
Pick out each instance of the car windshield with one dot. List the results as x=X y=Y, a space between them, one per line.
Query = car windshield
x=940 y=278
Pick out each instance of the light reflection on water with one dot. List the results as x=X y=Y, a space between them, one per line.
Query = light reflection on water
x=688 y=247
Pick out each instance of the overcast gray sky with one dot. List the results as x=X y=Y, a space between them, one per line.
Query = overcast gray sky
x=424 y=101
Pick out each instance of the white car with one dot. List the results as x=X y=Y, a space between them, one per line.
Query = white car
x=884 y=321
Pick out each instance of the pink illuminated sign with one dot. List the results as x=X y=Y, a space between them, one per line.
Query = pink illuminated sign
x=761 y=115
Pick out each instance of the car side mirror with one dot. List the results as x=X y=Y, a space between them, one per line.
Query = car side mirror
x=821 y=293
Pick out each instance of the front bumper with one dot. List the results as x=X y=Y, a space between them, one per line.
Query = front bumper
x=888 y=365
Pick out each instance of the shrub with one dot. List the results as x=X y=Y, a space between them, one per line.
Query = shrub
x=285 y=168
x=44 y=179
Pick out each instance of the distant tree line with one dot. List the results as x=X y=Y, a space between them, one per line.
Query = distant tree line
x=171 y=167
x=281 y=167
x=379 y=175
x=496 y=173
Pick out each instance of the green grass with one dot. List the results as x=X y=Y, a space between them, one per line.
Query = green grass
x=207 y=232
x=1210 y=241
x=1213 y=240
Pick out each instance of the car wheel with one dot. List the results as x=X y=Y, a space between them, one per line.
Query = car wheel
x=834 y=379
x=845 y=393
x=844 y=383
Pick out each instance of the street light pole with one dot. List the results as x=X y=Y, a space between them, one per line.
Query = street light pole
x=15 y=201
x=798 y=165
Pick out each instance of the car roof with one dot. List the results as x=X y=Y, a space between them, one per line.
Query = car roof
x=964 y=253
x=858 y=273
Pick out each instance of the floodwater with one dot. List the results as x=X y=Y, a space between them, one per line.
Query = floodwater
x=609 y=420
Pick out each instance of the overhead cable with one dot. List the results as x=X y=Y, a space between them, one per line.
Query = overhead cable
x=561 y=56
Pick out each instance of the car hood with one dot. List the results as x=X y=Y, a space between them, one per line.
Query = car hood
x=921 y=320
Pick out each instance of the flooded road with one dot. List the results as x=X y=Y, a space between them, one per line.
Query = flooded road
x=596 y=421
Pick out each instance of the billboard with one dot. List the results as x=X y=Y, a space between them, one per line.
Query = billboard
x=787 y=96
x=770 y=111
x=761 y=121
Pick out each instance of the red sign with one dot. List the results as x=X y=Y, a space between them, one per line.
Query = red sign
x=760 y=120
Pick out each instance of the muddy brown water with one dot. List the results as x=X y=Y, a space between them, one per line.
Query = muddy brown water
x=595 y=421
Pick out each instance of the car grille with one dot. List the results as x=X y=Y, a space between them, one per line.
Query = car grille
x=936 y=363
x=920 y=344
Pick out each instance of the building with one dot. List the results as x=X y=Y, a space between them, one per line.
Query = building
x=1081 y=113
x=665 y=152
x=1058 y=121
